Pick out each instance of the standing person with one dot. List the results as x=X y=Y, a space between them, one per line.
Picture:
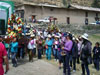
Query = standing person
x=59 y=53
x=7 y=46
x=31 y=48
x=34 y=51
x=67 y=48
x=48 y=44
x=56 y=45
x=86 y=54
x=96 y=55
x=14 y=51
x=79 y=50
x=3 y=56
x=43 y=44
x=39 y=47
x=21 y=47
x=74 y=54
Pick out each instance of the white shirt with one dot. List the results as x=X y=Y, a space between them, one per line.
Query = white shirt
x=31 y=45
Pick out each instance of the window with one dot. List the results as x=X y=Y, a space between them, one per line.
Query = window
x=96 y=14
x=51 y=9
x=86 y=21
x=68 y=20
x=22 y=14
x=2 y=27
x=86 y=14
x=96 y=18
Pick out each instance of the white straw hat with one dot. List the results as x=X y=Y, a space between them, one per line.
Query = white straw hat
x=49 y=36
x=85 y=36
x=32 y=35
x=27 y=26
x=53 y=34
x=5 y=37
x=22 y=33
x=57 y=36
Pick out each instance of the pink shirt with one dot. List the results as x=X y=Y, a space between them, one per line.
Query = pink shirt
x=2 y=54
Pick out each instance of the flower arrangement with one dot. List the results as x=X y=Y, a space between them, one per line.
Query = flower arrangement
x=14 y=26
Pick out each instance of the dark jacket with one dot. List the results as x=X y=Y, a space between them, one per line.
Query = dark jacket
x=96 y=52
x=74 y=49
x=86 y=51
x=39 y=45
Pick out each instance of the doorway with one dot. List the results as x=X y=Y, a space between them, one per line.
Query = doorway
x=68 y=20
x=33 y=18
x=2 y=27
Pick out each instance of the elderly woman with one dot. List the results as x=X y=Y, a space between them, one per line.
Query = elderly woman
x=86 y=54
x=48 y=44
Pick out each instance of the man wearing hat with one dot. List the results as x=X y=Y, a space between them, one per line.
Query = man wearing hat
x=31 y=47
x=85 y=54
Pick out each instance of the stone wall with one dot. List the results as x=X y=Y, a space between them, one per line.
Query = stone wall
x=60 y=2
x=82 y=2
x=76 y=16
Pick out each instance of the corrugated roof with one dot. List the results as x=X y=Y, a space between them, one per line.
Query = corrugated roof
x=85 y=8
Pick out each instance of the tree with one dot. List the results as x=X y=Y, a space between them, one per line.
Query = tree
x=64 y=2
x=96 y=4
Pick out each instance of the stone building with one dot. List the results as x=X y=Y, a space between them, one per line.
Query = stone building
x=75 y=14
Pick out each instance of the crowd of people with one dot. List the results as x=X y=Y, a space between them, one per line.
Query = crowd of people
x=63 y=47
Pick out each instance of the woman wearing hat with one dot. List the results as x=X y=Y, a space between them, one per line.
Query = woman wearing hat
x=48 y=44
x=85 y=54
x=56 y=45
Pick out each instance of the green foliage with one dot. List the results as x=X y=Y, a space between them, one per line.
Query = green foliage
x=96 y=4
x=91 y=27
x=64 y=2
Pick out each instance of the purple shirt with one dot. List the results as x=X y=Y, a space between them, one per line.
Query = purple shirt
x=68 y=45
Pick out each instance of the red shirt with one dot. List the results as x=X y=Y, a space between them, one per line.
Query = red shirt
x=3 y=53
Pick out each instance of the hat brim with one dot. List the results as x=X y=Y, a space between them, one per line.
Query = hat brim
x=84 y=37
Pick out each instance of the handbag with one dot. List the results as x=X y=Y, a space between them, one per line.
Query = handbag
x=63 y=53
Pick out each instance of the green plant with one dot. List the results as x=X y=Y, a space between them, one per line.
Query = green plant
x=96 y=3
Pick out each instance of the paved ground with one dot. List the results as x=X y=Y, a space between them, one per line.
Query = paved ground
x=38 y=67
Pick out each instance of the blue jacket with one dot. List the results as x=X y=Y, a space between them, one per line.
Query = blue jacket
x=14 y=47
x=49 y=43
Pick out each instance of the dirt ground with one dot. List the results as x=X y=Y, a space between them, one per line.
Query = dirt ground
x=38 y=67
x=43 y=67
